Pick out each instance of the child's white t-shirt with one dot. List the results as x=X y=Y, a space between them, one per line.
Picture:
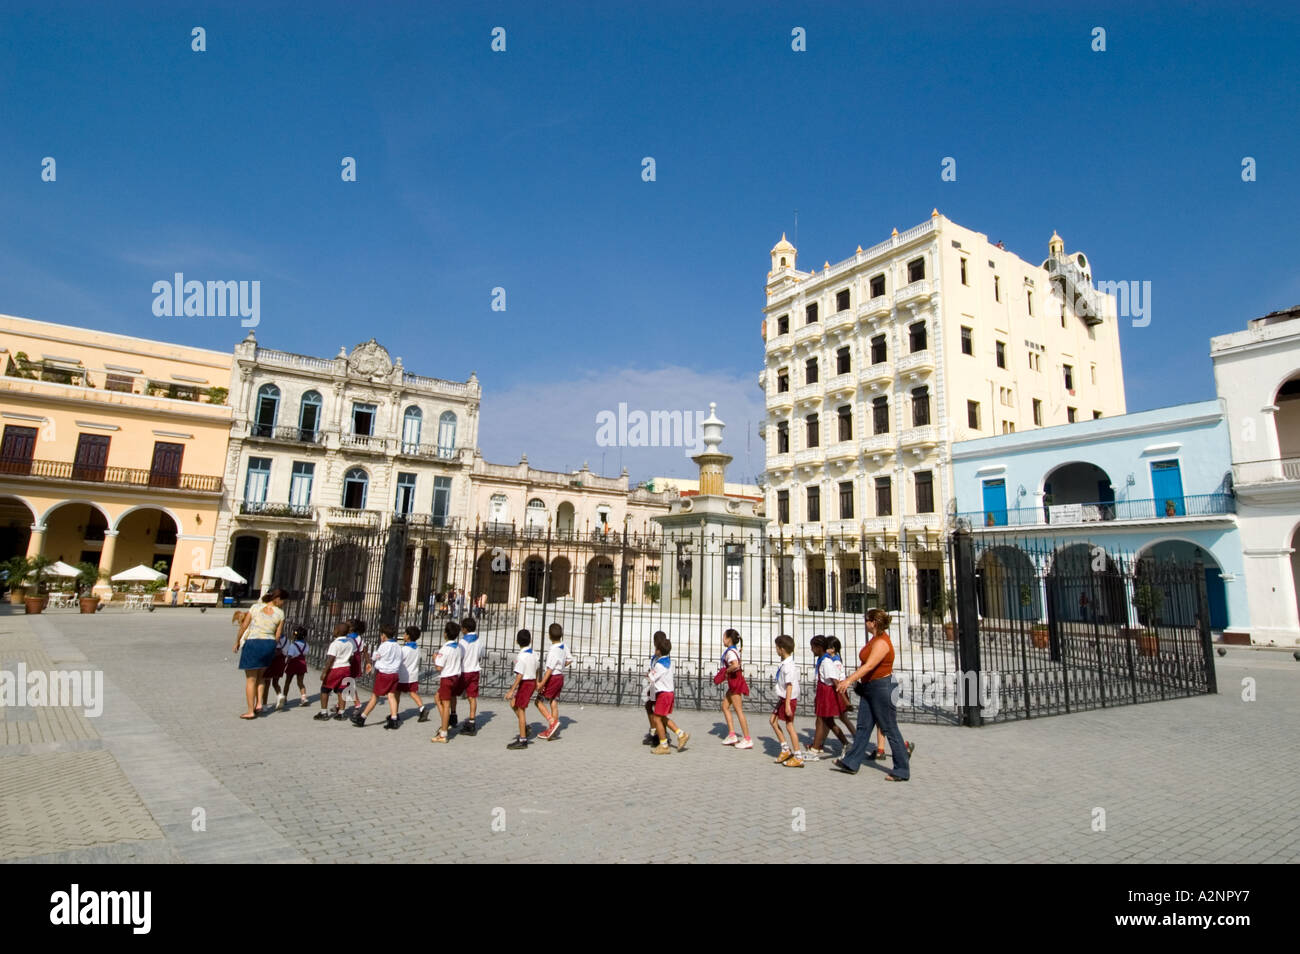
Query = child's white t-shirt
x=341 y=650
x=832 y=670
x=728 y=655
x=557 y=657
x=410 y=671
x=387 y=657
x=649 y=682
x=661 y=675
x=526 y=663
x=448 y=660
x=470 y=650
x=787 y=674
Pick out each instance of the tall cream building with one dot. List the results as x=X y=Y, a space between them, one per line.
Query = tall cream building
x=876 y=364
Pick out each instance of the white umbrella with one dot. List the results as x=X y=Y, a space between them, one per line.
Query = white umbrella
x=223 y=573
x=138 y=574
x=59 y=568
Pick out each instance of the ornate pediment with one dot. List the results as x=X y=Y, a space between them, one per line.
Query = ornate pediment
x=370 y=360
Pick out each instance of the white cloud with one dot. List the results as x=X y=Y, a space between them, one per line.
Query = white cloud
x=555 y=422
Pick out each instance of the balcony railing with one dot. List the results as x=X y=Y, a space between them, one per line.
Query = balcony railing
x=1262 y=471
x=294 y=435
x=118 y=476
x=364 y=442
x=1104 y=511
x=349 y=515
x=254 y=508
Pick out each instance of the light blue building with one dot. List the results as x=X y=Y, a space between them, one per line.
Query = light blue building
x=1156 y=484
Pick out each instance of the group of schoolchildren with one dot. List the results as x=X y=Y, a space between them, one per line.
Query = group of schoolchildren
x=396 y=668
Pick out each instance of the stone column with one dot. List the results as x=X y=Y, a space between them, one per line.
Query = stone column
x=102 y=588
x=269 y=561
x=36 y=543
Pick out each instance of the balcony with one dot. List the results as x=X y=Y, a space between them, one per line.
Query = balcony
x=809 y=332
x=810 y=455
x=1193 y=507
x=780 y=461
x=845 y=320
x=878 y=307
x=876 y=376
x=842 y=451
x=112 y=476
x=919 y=437
x=364 y=443
x=779 y=343
x=844 y=384
x=345 y=516
x=876 y=443
x=425 y=451
x=809 y=394
x=779 y=400
x=1276 y=471
x=290 y=434
x=278 y=511
x=914 y=294
x=427 y=521
x=916 y=364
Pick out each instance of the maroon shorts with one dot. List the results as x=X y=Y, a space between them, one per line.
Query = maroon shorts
x=552 y=688
x=469 y=684
x=449 y=688
x=334 y=678
x=524 y=693
x=297 y=666
x=779 y=711
x=736 y=685
x=410 y=688
x=276 y=669
x=827 y=702
x=385 y=682
x=663 y=703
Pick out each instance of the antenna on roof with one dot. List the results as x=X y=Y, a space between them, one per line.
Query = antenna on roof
x=796 y=228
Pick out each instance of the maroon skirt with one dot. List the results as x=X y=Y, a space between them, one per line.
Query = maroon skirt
x=276 y=669
x=736 y=685
x=297 y=666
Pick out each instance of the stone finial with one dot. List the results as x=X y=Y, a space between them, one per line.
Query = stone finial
x=894 y=233
x=934 y=214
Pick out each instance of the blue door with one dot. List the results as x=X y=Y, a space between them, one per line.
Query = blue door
x=1217 y=598
x=995 y=503
x=1167 y=487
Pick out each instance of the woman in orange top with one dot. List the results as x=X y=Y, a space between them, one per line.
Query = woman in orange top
x=873 y=681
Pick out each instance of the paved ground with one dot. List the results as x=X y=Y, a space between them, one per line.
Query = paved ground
x=1207 y=779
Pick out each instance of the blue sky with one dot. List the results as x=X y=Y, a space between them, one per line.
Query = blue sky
x=522 y=170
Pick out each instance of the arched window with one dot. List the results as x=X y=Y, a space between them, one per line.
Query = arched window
x=535 y=517
x=309 y=416
x=355 y=483
x=498 y=509
x=268 y=406
x=446 y=434
x=411 y=422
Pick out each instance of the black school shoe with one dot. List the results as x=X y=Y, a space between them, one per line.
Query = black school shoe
x=424 y=714
x=469 y=728
x=839 y=766
x=650 y=739
x=322 y=716
x=391 y=723
x=517 y=743
x=451 y=723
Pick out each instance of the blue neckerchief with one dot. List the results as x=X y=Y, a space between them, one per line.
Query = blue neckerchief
x=452 y=643
x=528 y=649
x=729 y=649
x=817 y=666
x=470 y=637
x=412 y=645
x=666 y=660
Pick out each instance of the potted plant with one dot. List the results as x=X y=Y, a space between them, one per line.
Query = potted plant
x=1171 y=509
x=86 y=580
x=218 y=395
x=34 y=600
x=605 y=588
x=15 y=569
x=937 y=612
x=1147 y=600
x=652 y=591
x=155 y=586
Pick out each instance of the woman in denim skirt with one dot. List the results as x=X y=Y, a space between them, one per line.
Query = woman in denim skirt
x=258 y=638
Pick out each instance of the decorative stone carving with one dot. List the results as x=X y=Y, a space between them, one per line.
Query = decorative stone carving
x=370 y=360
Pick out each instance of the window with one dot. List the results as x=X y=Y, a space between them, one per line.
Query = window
x=1029 y=302
x=783 y=325
x=810 y=313
x=916 y=337
x=309 y=416
x=1096 y=415
x=165 y=469
x=846 y=500
x=967 y=341
x=997 y=288
x=1005 y=398
x=783 y=437
x=924 y=491
x=498 y=509
x=814 y=504
x=1062 y=314
x=446 y=434
x=1071 y=414
x=441 y=500
x=783 y=506
x=1000 y=348
x=119 y=382
x=783 y=381
x=268 y=405
x=1008 y=427
x=963 y=272
x=880 y=415
x=535 y=514
x=884 y=497
x=355 y=483
x=411 y=421
x=846 y=423
x=1038 y=413
x=1093 y=368
x=842 y=300
x=878 y=353
x=973 y=415
x=920 y=406
x=1069 y=376
x=363 y=419
x=17 y=450
x=929 y=584
x=842 y=361
x=877 y=286
x=810 y=371
x=91 y=462
x=300 y=484
x=257 y=480
x=916 y=270
x=405 y=503
x=814 y=431
x=1035 y=361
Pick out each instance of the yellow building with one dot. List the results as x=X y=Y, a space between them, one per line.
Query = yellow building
x=112 y=449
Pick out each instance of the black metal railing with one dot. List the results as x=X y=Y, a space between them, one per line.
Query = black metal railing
x=252 y=508
x=1068 y=513
x=121 y=476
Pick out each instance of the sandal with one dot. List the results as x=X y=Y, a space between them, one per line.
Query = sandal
x=894 y=778
x=249 y=718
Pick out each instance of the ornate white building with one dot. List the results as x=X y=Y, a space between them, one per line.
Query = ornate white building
x=346 y=442
x=876 y=364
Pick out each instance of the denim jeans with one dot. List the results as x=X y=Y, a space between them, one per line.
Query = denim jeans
x=876 y=708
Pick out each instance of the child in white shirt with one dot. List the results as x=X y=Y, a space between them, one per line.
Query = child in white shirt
x=521 y=690
x=548 y=689
x=661 y=677
x=409 y=676
x=787 y=687
x=386 y=663
x=448 y=662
